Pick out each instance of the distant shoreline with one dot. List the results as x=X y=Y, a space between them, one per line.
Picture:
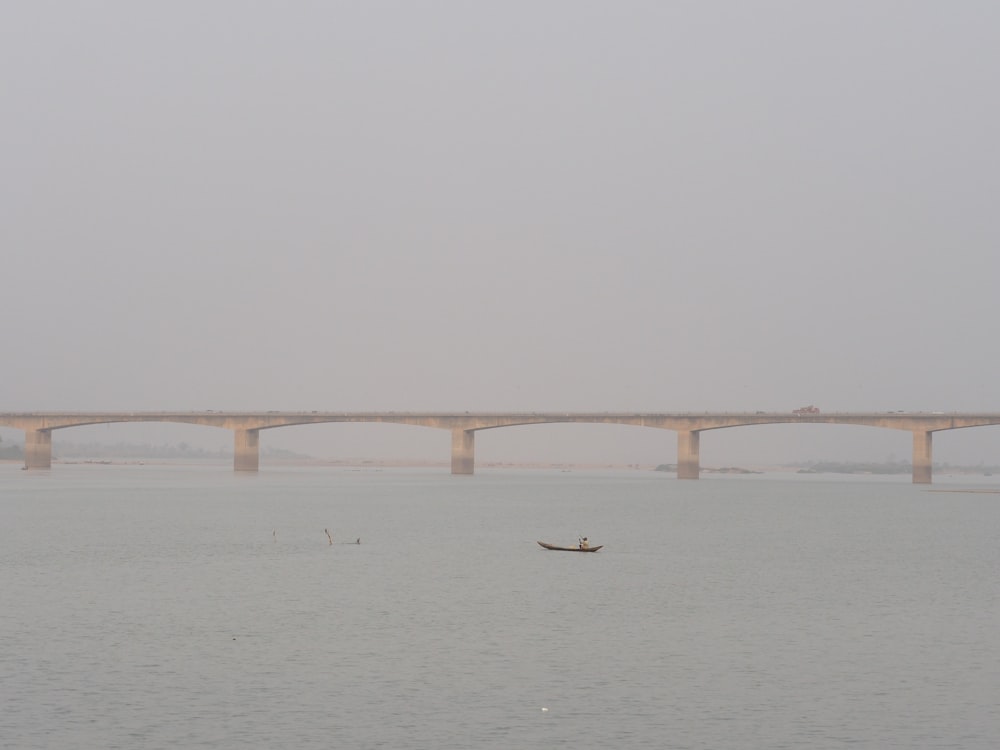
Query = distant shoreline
x=816 y=468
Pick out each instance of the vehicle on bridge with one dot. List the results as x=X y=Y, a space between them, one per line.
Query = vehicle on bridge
x=806 y=410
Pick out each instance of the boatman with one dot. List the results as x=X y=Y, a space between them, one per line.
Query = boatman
x=584 y=544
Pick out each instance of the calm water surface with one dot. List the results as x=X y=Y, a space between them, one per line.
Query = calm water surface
x=188 y=606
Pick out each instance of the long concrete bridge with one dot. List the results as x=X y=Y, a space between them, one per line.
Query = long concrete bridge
x=246 y=427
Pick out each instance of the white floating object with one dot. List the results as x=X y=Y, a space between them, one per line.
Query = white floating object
x=544 y=708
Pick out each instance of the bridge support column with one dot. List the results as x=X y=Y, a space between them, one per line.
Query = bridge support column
x=688 y=458
x=922 y=457
x=463 y=451
x=38 y=449
x=246 y=450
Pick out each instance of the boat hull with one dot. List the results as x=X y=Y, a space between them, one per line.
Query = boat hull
x=570 y=549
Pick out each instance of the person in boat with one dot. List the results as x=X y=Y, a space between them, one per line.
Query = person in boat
x=584 y=544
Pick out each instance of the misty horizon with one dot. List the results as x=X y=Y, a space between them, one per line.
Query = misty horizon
x=776 y=444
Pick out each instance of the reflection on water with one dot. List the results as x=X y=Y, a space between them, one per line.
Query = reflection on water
x=188 y=606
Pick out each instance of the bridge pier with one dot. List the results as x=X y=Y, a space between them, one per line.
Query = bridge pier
x=922 y=457
x=246 y=450
x=463 y=451
x=688 y=455
x=38 y=449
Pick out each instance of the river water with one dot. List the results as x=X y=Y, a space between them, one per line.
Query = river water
x=192 y=607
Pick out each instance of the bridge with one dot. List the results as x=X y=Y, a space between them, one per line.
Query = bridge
x=246 y=427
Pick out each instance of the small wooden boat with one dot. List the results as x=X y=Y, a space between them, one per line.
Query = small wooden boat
x=571 y=549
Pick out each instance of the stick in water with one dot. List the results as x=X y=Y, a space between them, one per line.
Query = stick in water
x=328 y=535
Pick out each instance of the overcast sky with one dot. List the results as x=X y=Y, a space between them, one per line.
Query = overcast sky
x=431 y=205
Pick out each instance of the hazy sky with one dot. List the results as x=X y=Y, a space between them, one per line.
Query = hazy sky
x=519 y=205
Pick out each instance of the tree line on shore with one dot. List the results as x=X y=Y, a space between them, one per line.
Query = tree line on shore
x=63 y=449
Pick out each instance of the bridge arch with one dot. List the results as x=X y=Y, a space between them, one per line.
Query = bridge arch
x=566 y=443
x=358 y=439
